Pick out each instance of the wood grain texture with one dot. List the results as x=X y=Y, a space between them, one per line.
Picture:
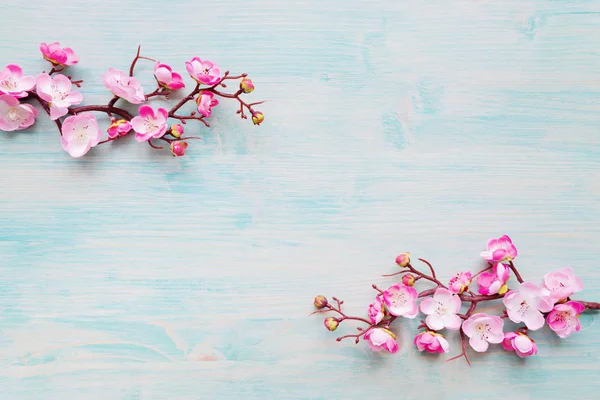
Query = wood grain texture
x=426 y=126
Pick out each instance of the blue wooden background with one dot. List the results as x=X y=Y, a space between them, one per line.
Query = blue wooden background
x=422 y=126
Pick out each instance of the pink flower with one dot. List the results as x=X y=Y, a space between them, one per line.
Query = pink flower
x=149 y=124
x=79 y=134
x=120 y=127
x=495 y=281
x=122 y=85
x=206 y=102
x=15 y=116
x=520 y=343
x=204 y=72
x=562 y=284
x=564 y=318
x=178 y=148
x=431 y=342
x=58 y=55
x=527 y=305
x=167 y=78
x=376 y=310
x=381 y=339
x=441 y=310
x=460 y=282
x=14 y=83
x=499 y=250
x=56 y=90
x=483 y=329
x=401 y=300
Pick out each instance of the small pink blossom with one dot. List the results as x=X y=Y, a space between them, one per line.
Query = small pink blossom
x=124 y=86
x=460 y=282
x=520 y=343
x=206 y=101
x=58 y=55
x=495 y=281
x=176 y=130
x=119 y=128
x=204 y=72
x=409 y=279
x=376 y=310
x=401 y=300
x=381 y=339
x=167 y=78
x=14 y=83
x=431 y=342
x=150 y=124
x=527 y=305
x=562 y=283
x=441 y=310
x=403 y=260
x=499 y=250
x=564 y=318
x=15 y=116
x=178 y=148
x=79 y=134
x=56 y=90
x=482 y=329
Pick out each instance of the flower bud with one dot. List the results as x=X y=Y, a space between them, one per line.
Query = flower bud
x=408 y=280
x=176 y=130
x=331 y=323
x=178 y=148
x=246 y=85
x=403 y=260
x=258 y=117
x=118 y=128
x=321 y=302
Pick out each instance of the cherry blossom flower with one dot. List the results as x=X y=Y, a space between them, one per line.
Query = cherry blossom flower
x=56 y=90
x=460 y=282
x=376 y=311
x=401 y=300
x=499 y=250
x=403 y=260
x=124 y=86
x=204 y=72
x=150 y=124
x=520 y=343
x=178 y=148
x=495 y=281
x=119 y=127
x=431 y=342
x=14 y=83
x=564 y=318
x=167 y=78
x=206 y=101
x=562 y=283
x=381 y=339
x=527 y=305
x=482 y=329
x=79 y=134
x=15 y=116
x=441 y=310
x=58 y=55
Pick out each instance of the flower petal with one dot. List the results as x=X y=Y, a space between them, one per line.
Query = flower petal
x=478 y=344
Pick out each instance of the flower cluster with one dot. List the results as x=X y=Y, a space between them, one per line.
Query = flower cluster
x=531 y=304
x=79 y=129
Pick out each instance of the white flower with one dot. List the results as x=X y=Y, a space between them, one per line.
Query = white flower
x=527 y=305
x=441 y=310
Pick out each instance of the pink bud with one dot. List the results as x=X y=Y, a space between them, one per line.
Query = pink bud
x=331 y=323
x=176 y=130
x=408 y=280
x=403 y=260
x=257 y=118
x=321 y=302
x=246 y=85
x=178 y=148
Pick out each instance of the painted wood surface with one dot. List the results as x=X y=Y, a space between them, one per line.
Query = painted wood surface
x=422 y=126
